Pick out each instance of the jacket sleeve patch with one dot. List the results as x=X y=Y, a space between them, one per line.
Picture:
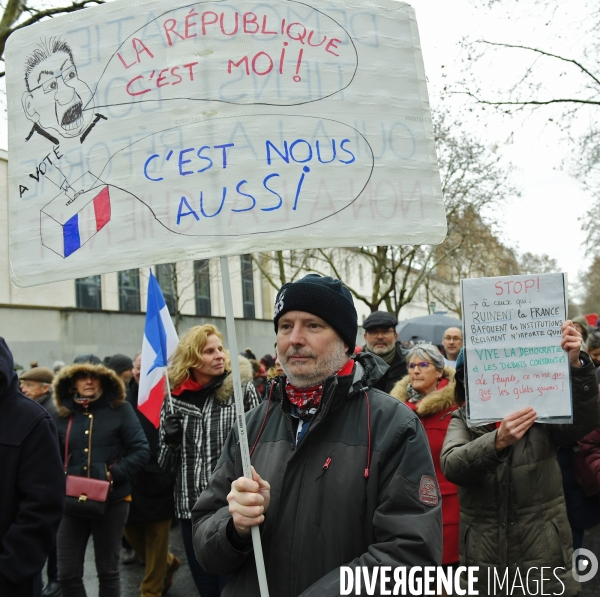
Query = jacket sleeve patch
x=428 y=491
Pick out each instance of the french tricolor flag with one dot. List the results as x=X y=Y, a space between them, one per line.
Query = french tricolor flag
x=160 y=342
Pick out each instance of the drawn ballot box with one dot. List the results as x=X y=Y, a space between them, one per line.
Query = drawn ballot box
x=72 y=218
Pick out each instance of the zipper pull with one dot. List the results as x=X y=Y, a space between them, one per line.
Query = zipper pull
x=325 y=467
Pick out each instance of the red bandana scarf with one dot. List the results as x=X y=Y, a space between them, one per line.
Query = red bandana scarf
x=306 y=399
x=189 y=384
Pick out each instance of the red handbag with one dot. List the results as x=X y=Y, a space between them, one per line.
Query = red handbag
x=86 y=497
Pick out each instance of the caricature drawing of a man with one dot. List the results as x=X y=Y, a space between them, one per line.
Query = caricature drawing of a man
x=57 y=101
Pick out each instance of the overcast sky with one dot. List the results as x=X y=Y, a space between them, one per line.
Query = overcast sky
x=545 y=218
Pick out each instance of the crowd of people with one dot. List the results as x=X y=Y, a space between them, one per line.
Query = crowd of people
x=361 y=455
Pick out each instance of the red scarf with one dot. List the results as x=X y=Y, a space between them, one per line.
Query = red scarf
x=190 y=384
x=305 y=399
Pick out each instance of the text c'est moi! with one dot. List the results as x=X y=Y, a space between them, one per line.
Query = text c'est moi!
x=185 y=162
x=221 y=25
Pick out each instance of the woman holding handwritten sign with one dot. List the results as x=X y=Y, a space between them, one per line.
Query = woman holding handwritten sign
x=512 y=508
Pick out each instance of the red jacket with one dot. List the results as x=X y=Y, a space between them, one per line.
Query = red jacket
x=434 y=411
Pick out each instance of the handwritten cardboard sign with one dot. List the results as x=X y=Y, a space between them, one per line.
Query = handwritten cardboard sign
x=512 y=331
x=151 y=132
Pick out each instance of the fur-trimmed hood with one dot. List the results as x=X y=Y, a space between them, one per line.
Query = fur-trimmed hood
x=436 y=402
x=112 y=385
x=225 y=390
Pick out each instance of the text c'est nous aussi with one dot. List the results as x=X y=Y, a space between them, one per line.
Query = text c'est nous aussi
x=209 y=156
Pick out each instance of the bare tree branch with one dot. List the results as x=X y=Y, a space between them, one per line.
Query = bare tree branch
x=52 y=12
x=530 y=102
x=264 y=272
x=543 y=53
x=15 y=9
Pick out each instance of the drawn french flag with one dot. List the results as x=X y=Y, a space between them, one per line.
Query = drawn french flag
x=160 y=342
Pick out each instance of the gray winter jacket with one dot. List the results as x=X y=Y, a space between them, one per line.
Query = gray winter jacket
x=512 y=507
x=324 y=513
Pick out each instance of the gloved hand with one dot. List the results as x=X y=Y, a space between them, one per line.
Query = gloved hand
x=173 y=428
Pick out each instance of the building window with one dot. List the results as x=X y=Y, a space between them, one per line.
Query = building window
x=361 y=279
x=248 y=286
x=165 y=275
x=202 y=287
x=129 y=290
x=88 y=292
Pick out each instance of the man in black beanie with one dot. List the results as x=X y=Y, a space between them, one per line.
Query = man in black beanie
x=122 y=365
x=343 y=473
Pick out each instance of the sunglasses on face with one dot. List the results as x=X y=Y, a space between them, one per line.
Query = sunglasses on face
x=92 y=376
x=377 y=332
x=421 y=365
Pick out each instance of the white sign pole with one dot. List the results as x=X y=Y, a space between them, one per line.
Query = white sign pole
x=169 y=391
x=241 y=419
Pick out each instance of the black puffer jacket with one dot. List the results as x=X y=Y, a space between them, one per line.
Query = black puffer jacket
x=323 y=512
x=152 y=488
x=118 y=443
x=32 y=486
x=398 y=370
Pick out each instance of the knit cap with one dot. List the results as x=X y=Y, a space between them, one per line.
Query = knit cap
x=119 y=363
x=324 y=297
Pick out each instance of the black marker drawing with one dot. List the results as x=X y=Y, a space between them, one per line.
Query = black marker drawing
x=57 y=101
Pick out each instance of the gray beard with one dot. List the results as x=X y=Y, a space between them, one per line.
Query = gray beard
x=379 y=350
x=325 y=367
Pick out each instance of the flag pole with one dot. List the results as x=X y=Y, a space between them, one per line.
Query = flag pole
x=241 y=419
x=169 y=391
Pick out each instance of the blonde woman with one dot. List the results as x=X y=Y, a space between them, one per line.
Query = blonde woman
x=276 y=370
x=191 y=437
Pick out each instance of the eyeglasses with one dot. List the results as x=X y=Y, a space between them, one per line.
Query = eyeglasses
x=421 y=365
x=51 y=84
x=383 y=332
x=455 y=338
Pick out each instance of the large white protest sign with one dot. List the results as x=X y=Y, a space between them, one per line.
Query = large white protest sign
x=150 y=132
x=512 y=333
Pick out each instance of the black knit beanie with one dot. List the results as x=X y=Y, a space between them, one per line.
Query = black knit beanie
x=324 y=297
x=119 y=363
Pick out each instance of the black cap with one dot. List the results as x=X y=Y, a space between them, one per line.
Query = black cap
x=324 y=297
x=92 y=359
x=380 y=319
x=119 y=363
